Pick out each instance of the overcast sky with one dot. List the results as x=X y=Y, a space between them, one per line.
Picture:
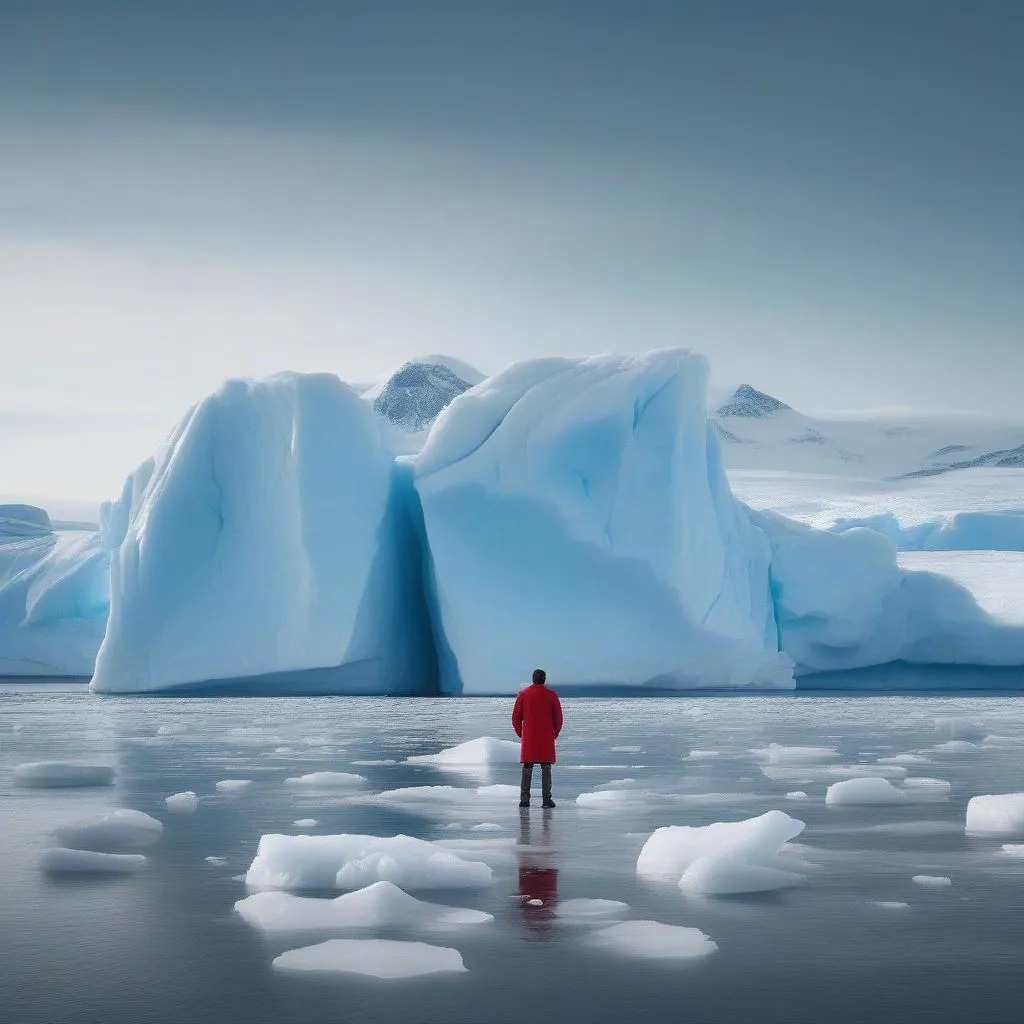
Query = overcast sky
x=825 y=198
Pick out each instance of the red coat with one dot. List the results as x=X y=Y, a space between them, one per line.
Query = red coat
x=537 y=720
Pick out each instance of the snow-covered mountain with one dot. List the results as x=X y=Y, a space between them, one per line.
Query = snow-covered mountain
x=413 y=396
x=760 y=432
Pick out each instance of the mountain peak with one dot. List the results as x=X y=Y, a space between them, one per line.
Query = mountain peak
x=414 y=395
x=751 y=403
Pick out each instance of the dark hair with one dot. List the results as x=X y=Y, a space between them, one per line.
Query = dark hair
x=539 y=675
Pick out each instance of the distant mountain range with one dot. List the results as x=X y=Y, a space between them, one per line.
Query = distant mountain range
x=760 y=432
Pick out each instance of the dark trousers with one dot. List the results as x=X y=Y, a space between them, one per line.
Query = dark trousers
x=527 y=780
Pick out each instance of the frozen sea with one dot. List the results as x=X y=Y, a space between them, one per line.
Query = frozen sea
x=165 y=945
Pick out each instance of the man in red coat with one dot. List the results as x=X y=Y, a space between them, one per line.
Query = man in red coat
x=537 y=720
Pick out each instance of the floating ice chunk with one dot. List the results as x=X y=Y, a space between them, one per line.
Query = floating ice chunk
x=619 y=784
x=535 y=903
x=216 y=861
x=1014 y=849
x=305 y=822
x=955 y=747
x=891 y=904
x=777 y=754
x=450 y=794
x=904 y=759
x=486 y=826
x=627 y=750
x=702 y=755
x=353 y=861
x=59 y=774
x=485 y=750
x=380 y=905
x=326 y=780
x=996 y=740
x=866 y=771
x=123 y=829
x=995 y=814
x=612 y=798
x=379 y=958
x=60 y=860
x=232 y=785
x=924 y=786
x=590 y=909
x=863 y=792
x=797 y=794
x=932 y=881
x=372 y=764
x=186 y=801
x=725 y=857
x=651 y=939
x=174 y=729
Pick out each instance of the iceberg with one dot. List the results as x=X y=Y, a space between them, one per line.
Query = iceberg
x=863 y=792
x=578 y=516
x=995 y=814
x=270 y=544
x=53 y=595
x=112 y=831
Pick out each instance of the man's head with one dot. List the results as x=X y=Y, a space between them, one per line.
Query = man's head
x=540 y=676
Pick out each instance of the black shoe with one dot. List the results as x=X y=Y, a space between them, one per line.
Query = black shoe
x=524 y=803
x=548 y=803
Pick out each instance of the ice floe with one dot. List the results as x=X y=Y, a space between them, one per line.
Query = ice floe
x=62 y=774
x=995 y=814
x=654 y=940
x=112 y=831
x=61 y=860
x=379 y=958
x=863 y=792
x=182 y=802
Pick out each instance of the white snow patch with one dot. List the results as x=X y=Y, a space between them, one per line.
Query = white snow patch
x=353 y=861
x=483 y=751
x=61 y=774
x=326 y=780
x=654 y=940
x=724 y=857
x=378 y=958
x=182 y=802
x=995 y=814
x=380 y=905
x=60 y=860
x=932 y=881
x=112 y=831
x=232 y=785
x=863 y=792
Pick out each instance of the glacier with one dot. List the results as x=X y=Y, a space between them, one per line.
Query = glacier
x=53 y=595
x=269 y=544
x=573 y=513
x=578 y=517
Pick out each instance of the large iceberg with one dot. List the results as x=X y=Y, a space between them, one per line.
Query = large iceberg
x=53 y=595
x=578 y=517
x=270 y=543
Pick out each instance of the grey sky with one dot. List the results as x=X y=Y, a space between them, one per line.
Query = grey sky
x=823 y=197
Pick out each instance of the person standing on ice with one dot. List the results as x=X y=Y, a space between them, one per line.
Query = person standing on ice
x=537 y=720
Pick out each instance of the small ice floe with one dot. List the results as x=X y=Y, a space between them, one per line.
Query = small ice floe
x=866 y=771
x=627 y=750
x=925 y=787
x=353 y=861
x=380 y=905
x=702 y=755
x=326 y=780
x=932 y=881
x=725 y=858
x=416 y=795
x=232 y=785
x=995 y=814
x=171 y=729
x=1013 y=849
x=486 y=826
x=481 y=752
x=371 y=764
x=778 y=754
x=584 y=910
x=305 y=822
x=535 y=903
x=62 y=774
x=60 y=860
x=996 y=740
x=863 y=792
x=216 y=861
x=112 y=831
x=890 y=904
x=610 y=799
x=182 y=802
x=956 y=747
x=619 y=784
x=797 y=794
x=652 y=939
x=379 y=958
x=904 y=759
